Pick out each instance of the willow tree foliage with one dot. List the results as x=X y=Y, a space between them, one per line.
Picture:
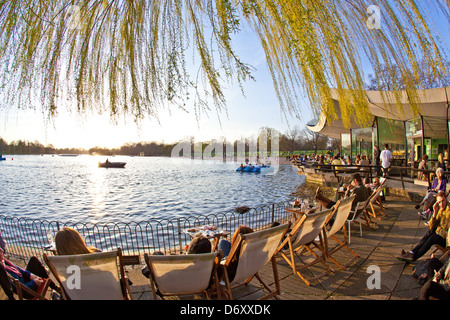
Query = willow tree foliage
x=132 y=57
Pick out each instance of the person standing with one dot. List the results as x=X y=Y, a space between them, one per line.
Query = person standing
x=376 y=159
x=386 y=159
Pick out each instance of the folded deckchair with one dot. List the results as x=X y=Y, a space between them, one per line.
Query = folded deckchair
x=93 y=276
x=254 y=250
x=184 y=274
x=343 y=209
x=306 y=233
x=375 y=200
x=361 y=215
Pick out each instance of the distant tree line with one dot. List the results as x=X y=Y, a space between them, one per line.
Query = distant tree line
x=27 y=147
x=295 y=139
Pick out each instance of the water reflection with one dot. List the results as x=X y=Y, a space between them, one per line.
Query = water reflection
x=97 y=191
x=76 y=189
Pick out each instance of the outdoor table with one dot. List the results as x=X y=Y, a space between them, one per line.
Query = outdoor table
x=208 y=231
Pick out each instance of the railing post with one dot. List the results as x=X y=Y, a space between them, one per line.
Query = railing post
x=401 y=177
x=273 y=212
x=179 y=234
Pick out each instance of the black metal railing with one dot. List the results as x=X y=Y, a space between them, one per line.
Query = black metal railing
x=31 y=237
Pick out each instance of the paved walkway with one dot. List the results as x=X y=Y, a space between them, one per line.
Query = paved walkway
x=400 y=230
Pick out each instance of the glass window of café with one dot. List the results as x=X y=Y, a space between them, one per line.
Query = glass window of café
x=362 y=142
x=346 y=144
x=393 y=133
x=435 y=132
x=413 y=130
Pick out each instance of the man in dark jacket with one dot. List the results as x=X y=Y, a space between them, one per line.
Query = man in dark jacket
x=356 y=188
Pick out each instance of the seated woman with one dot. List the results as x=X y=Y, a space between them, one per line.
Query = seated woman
x=226 y=246
x=372 y=187
x=441 y=162
x=33 y=276
x=423 y=165
x=364 y=163
x=436 y=233
x=439 y=184
x=68 y=242
x=199 y=245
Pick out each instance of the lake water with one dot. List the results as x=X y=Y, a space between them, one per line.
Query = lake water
x=75 y=189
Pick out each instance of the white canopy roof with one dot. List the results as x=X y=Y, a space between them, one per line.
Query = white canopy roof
x=434 y=106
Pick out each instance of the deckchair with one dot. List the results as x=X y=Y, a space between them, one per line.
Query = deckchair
x=306 y=232
x=360 y=215
x=254 y=250
x=93 y=276
x=184 y=274
x=23 y=292
x=376 y=201
x=343 y=209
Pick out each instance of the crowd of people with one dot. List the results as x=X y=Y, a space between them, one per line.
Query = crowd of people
x=436 y=210
x=382 y=160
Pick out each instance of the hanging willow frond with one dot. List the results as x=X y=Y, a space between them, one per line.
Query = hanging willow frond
x=128 y=57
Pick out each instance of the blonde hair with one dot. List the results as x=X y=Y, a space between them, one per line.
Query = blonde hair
x=68 y=242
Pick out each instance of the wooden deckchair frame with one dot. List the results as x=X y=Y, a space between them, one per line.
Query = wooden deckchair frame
x=289 y=256
x=235 y=248
x=360 y=214
x=20 y=289
x=376 y=200
x=340 y=209
x=213 y=287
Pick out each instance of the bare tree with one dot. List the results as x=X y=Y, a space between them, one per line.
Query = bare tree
x=314 y=141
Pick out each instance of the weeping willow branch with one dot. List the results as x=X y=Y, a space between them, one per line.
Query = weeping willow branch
x=129 y=57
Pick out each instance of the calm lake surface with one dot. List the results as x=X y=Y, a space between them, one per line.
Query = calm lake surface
x=74 y=189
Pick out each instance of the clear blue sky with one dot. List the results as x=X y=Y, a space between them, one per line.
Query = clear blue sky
x=245 y=115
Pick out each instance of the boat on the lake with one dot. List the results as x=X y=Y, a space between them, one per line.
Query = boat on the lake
x=256 y=169
x=109 y=164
